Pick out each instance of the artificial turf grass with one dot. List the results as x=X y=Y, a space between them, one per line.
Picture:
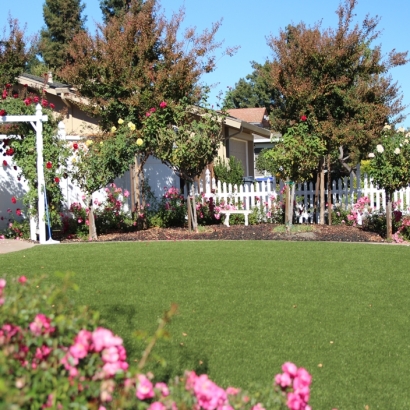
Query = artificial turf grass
x=246 y=307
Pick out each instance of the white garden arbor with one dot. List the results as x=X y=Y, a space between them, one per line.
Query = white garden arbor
x=36 y=122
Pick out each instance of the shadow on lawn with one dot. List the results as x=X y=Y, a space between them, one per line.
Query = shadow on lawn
x=169 y=358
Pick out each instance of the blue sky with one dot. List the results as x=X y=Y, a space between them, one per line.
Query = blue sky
x=247 y=24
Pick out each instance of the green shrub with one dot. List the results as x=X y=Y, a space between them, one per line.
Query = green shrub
x=229 y=170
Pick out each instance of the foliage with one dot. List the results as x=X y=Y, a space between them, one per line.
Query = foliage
x=229 y=170
x=63 y=22
x=254 y=90
x=171 y=211
x=136 y=60
x=188 y=138
x=62 y=358
x=20 y=144
x=18 y=226
x=296 y=155
x=98 y=161
x=114 y=8
x=337 y=80
x=340 y=216
x=15 y=52
x=390 y=161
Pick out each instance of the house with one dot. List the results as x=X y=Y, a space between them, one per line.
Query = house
x=259 y=118
x=239 y=140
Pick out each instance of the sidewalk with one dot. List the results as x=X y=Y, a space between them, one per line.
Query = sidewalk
x=11 y=245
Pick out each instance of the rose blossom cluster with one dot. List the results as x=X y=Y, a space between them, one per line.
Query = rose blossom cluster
x=299 y=380
x=101 y=341
x=357 y=210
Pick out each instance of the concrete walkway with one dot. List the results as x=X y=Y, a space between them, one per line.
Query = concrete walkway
x=11 y=245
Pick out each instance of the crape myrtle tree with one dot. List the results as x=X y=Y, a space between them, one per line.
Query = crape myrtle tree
x=15 y=52
x=338 y=79
x=135 y=61
x=64 y=20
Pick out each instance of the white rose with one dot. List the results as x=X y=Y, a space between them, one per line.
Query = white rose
x=380 y=148
x=401 y=129
x=387 y=127
x=397 y=151
x=371 y=155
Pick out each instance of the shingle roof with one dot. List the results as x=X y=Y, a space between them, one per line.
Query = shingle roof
x=251 y=115
x=54 y=84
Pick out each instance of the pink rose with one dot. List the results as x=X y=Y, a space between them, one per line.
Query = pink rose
x=145 y=389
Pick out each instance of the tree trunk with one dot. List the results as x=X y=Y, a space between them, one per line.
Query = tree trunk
x=329 y=192
x=92 y=230
x=291 y=202
x=188 y=203
x=287 y=196
x=389 y=216
x=322 y=192
x=316 y=197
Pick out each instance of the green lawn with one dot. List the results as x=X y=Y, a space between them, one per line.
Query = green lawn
x=340 y=310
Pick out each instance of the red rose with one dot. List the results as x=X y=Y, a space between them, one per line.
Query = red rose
x=13 y=199
x=4 y=95
x=49 y=165
x=52 y=106
x=15 y=95
x=163 y=104
x=303 y=118
x=75 y=146
x=44 y=103
x=3 y=113
x=8 y=85
x=147 y=114
x=18 y=212
x=56 y=180
x=22 y=280
x=36 y=99
x=27 y=101
x=153 y=109
x=4 y=163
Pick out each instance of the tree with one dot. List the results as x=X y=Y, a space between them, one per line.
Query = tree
x=15 y=52
x=252 y=91
x=63 y=22
x=114 y=8
x=188 y=139
x=390 y=166
x=99 y=161
x=137 y=60
x=294 y=159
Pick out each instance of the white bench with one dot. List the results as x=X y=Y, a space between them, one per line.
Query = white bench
x=235 y=211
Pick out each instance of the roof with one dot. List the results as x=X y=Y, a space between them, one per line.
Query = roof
x=54 y=84
x=251 y=115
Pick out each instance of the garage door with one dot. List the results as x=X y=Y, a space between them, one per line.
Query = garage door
x=238 y=149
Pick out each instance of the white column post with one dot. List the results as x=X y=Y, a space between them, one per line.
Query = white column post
x=40 y=174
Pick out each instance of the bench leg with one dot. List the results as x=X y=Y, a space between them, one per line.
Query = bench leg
x=226 y=223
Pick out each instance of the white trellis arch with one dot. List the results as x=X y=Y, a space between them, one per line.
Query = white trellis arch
x=36 y=122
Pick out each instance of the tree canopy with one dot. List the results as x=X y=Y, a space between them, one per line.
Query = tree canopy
x=336 y=77
x=114 y=8
x=64 y=20
x=15 y=52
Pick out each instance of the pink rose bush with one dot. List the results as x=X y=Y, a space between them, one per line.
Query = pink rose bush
x=61 y=360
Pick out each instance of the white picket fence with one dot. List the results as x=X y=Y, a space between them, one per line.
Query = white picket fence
x=344 y=193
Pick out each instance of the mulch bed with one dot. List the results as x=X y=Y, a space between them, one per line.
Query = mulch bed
x=337 y=233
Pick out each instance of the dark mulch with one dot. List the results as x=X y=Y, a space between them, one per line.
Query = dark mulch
x=338 y=233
